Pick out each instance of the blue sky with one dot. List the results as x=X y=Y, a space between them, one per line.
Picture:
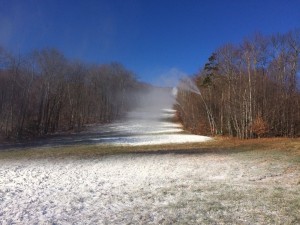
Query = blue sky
x=155 y=39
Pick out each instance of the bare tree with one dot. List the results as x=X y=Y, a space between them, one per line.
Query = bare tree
x=252 y=91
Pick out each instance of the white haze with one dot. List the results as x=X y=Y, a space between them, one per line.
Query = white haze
x=151 y=122
x=171 y=77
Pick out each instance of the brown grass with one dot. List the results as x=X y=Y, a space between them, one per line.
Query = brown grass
x=218 y=145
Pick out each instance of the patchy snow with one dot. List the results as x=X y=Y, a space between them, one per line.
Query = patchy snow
x=147 y=189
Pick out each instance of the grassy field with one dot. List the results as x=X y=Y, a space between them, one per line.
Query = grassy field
x=218 y=145
x=225 y=181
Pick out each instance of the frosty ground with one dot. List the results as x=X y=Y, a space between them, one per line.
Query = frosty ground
x=147 y=177
x=248 y=187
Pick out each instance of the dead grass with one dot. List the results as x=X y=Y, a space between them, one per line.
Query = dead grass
x=218 y=145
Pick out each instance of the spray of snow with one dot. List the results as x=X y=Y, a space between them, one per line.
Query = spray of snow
x=187 y=84
x=151 y=123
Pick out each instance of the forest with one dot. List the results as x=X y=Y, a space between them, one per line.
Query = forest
x=248 y=90
x=44 y=92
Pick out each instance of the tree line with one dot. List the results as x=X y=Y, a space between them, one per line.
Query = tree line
x=44 y=92
x=246 y=90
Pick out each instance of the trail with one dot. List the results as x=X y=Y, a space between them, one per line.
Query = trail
x=150 y=123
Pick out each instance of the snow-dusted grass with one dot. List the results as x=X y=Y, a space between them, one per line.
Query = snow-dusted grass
x=251 y=187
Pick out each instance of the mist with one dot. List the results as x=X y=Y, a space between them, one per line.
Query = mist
x=152 y=107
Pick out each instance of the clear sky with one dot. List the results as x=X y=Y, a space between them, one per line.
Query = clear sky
x=153 y=38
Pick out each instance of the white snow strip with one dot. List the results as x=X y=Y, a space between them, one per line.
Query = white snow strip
x=149 y=128
x=152 y=139
x=162 y=139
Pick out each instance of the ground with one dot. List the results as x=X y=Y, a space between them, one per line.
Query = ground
x=231 y=183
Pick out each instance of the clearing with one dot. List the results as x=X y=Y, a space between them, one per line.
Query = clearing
x=150 y=172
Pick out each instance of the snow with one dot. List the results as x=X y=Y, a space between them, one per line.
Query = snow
x=153 y=139
x=108 y=190
x=144 y=189
x=149 y=128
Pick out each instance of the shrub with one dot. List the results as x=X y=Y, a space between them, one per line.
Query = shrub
x=260 y=126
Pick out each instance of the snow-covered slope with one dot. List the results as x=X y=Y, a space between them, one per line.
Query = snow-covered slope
x=152 y=127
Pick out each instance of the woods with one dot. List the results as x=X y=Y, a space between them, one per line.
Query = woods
x=247 y=90
x=45 y=92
